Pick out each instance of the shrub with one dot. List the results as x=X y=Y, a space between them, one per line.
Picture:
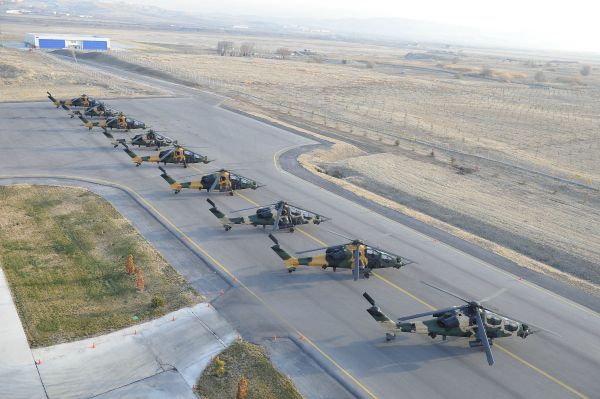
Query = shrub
x=540 y=76
x=157 y=301
x=219 y=366
x=585 y=70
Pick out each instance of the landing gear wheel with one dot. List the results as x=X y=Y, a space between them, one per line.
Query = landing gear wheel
x=291 y=269
x=291 y=229
x=227 y=227
x=390 y=337
x=231 y=193
x=367 y=275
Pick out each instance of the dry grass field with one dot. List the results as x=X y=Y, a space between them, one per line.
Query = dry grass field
x=64 y=252
x=428 y=119
x=26 y=76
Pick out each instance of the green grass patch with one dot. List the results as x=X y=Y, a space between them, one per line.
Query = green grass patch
x=251 y=361
x=64 y=252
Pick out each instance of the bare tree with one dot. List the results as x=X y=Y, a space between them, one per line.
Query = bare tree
x=224 y=47
x=487 y=72
x=585 y=70
x=283 y=52
x=540 y=76
x=247 y=49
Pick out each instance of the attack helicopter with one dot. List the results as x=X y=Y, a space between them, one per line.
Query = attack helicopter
x=98 y=111
x=175 y=155
x=83 y=101
x=281 y=215
x=469 y=320
x=146 y=139
x=223 y=181
x=119 y=122
x=356 y=255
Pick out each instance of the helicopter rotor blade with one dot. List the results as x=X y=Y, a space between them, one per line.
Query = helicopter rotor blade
x=539 y=329
x=482 y=335
x=416 y=316
x=249 y=208
x=166 y=154
x=211 y=202
x=494 y=295
x=341 y=235
x=277 y=217
x=447 y=292
x=356 y=269
x=369 y=299
x=311 y=250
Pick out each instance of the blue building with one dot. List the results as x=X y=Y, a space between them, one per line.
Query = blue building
x=61 y=41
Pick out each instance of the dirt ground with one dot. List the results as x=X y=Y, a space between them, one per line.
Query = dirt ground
x=64 y=252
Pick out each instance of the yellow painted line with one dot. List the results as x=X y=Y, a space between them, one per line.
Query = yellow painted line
x=542 y=372
x=405 y=292
x=246 y=198
x=347 y=374
x=511 y=354
x=431 y=307
x=222 y=267
x=315 y=239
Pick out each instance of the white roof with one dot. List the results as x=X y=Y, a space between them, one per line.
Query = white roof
x=67 y=36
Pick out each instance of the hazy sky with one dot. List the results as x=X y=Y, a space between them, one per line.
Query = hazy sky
x=572 y=24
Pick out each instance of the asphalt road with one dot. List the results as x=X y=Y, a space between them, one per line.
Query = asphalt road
x=327 y=309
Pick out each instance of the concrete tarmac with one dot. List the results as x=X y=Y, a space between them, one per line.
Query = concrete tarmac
x=325 y=309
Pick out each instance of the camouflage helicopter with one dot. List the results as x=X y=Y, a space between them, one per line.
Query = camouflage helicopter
x=469 y=320
x=355 y=255
x=175 y=155
x=146 y=139
x=83 y=101
x=99 y=111
x=223 y=181
x=118 y=122
x=281 y=215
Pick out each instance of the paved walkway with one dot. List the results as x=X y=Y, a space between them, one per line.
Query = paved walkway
x=19 y=377
x=160 y=358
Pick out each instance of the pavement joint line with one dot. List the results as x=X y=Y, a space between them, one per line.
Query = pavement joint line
x=567 y=301
x=215 y=261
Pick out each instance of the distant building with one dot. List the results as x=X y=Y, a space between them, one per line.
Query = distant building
x=61 y=41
